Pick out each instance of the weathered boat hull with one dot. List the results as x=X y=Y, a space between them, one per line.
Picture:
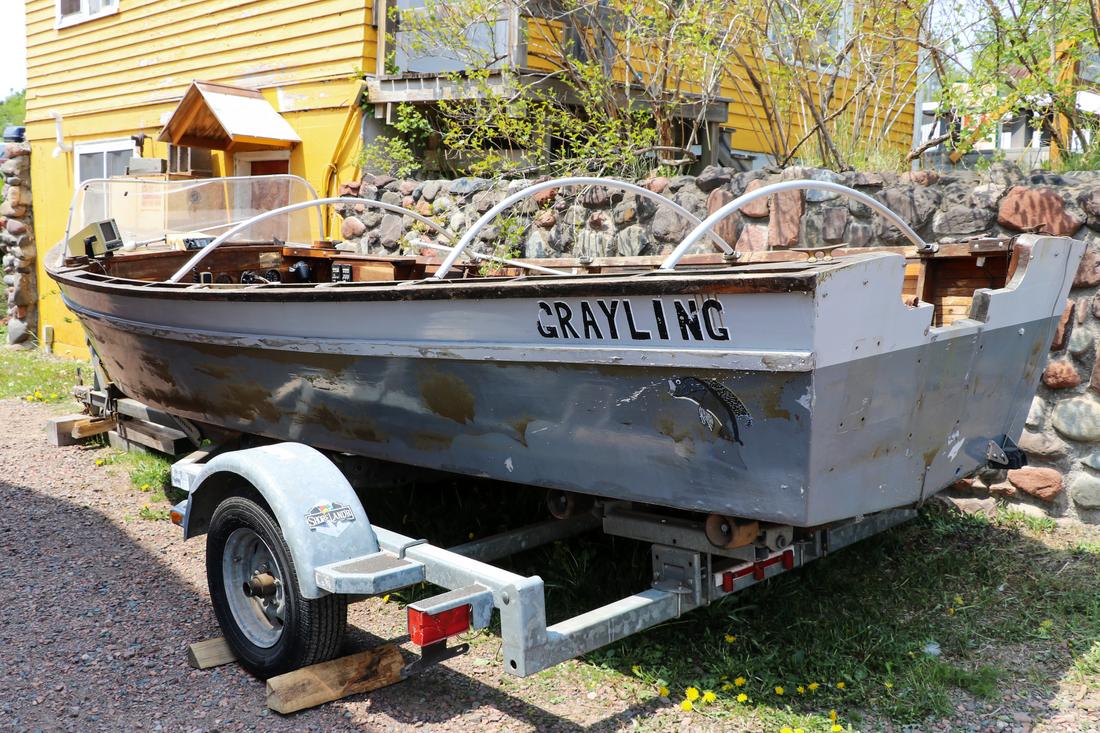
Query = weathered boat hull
x=803 y=403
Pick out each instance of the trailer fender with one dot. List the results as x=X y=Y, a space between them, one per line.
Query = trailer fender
x=318 y=512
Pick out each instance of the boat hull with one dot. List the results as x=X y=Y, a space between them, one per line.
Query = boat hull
x=802 y=414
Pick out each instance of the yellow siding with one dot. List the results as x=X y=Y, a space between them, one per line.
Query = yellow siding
x=123 y=74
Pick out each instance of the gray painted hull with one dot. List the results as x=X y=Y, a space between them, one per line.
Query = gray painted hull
x=819 y=425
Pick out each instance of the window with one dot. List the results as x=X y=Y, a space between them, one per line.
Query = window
x=103 y=159
x=819 y=31
x=71 y=12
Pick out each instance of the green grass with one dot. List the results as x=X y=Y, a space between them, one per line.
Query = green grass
x=32 y=376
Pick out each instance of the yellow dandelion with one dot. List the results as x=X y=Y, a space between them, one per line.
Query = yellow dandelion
x=662 y=691
x=836 y=729
x=99 y=461
x=386 y=598
x=726 y=687
x=958 y=600
x=840 y=685
x=686 y=706
x=692 y=694
x=800 y=690
x=53 y=395
x=778 y=690
x=709 y=697
x=832 y=715
x=950 y=611
x=471 y=535
x=730 y=638
x=636 y=670
x=740 y=681
x=888 y=685
x=799 y=730
x=742 y=698
x=785 y=730
x=813 y=687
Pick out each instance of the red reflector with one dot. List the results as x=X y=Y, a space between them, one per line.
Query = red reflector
x=758 y=571
x=727 y=582
x=425 y=629
x=788 y=560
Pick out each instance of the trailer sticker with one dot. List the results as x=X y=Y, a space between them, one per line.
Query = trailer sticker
x=330 y=517
x=714 y=401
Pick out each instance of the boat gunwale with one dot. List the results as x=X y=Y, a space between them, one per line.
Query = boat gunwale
x=803 y=277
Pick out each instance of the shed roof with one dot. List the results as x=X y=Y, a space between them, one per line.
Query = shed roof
x=223 y=117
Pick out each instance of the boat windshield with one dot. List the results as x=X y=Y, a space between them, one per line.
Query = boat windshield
x=152 y=212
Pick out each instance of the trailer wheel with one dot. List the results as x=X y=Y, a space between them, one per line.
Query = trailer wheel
x=253 y=584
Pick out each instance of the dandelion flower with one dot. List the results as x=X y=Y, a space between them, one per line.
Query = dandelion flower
x=709 y=697
x=636 y=670
x=386 y=598
x=785 y=730
x=778 y=690
x=742 y=698
x=99 y=461
x=799 y=730
x=692 y=694
x=888 y=685
x=958 y=600
x=813 y=687
x=686 y=706
x=730 y=638
x=950 y=611
x=836 y=728
x=801 y=690
x=53 y=395
x=662 y=691
x=726 y=687
x=740 y=681
x=1046 y=623
x=840 y=685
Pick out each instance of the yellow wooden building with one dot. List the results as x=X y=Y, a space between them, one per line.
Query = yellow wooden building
x=105 y=73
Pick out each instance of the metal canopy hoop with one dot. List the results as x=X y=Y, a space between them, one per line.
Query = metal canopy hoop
x=531 y=190
x=698 y=232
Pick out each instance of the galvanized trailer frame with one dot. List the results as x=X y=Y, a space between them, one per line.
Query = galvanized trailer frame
x=366 y=560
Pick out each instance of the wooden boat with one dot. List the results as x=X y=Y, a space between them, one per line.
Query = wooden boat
x=775 y=386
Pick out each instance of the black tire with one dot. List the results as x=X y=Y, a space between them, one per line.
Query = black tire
x=311 y=630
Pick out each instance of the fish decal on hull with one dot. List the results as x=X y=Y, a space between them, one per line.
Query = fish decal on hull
x=719 y=407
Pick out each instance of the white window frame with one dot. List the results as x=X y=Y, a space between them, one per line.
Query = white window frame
x=109 y=7
x=100 y=146
x=840 y=30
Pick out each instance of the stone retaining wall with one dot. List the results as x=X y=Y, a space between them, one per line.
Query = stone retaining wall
x=17 y=252
x=1063 y=429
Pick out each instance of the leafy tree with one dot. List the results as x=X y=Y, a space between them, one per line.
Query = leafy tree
x=13 y=110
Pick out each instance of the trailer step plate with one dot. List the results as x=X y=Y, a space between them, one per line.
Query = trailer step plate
x=370 y=575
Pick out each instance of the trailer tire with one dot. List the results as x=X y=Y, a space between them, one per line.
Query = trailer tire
x=254 y=588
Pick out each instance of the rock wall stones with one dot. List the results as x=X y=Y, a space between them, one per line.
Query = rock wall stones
x=17 y=250
x=1062 y=436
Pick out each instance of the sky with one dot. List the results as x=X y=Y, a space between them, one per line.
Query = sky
x=13 y=51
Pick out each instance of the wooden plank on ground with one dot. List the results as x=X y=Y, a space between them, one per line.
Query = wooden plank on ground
x=60 y=429
x=210 y=653
x=159 y=438
x=328 y=681
x=90 y=426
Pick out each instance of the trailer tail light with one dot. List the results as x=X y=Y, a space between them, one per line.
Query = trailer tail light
x=426 y=628
x=177 y=517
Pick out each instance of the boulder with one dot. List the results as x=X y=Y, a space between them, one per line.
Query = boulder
x=15 y=227
x=786 y=219
x=596 y=197
x=713 y=177
x=961 y=219
x=351 y=188
x=1088 y=272
x=406 y=187
x=859 y=234
x=1042 y=483
x=656 y=185
x=728 y=227
x=430 y=189
x=352 y=227
x=634 y=240
x=390 y=231
x=467 y=186
x=1092 y=460
x=1078 y=418
x=914 y=204
x=1037 y=210
x=546 y=219
x=987 y=196
x=1080 y=341
x=921 y=178
x=625 y=212
x=757 y=209
x=1036 y=413
x=1061 y=374
x=753 y=238
x=813 y=195
x=592 y=244
x=668 y=226
x=1045 y=445
x=1085 y=491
